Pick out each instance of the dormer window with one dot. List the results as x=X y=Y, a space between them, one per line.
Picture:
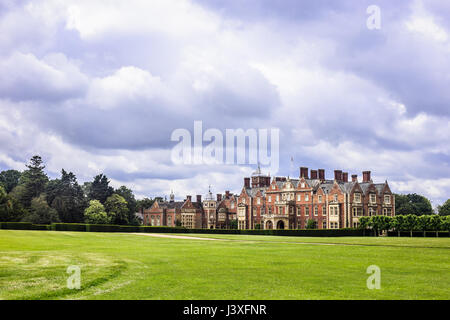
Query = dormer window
x=273 y=187
x=387 y=199
x=302 y=185
x=357 y=197
x=335 y=197
x=258 y=200
x=373 y=198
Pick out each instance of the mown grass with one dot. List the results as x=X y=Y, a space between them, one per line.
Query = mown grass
x=124 y=266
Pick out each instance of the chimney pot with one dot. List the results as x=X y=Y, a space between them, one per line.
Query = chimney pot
x=313 y=174
x=199 y=198
x=304 y=172
x=247 y=182
x=189 y=198
x=219 y=197
x=354 y=178
x=338 y=175
x=321 y=174
x=345 y=176
x=366 y=176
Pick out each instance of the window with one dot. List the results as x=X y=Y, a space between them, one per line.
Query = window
x=324 y=225
x=270 y=199
x=232 y=205
x=357 y=212
x=320 y=199
x=273 y=187
x=324 y=211
x=258 y=201
x=357 y=197
x=299 y=198
x=299 y=211
x=278 y=198
x=306 y=211
x=387 y=199
x=306 y=197
x=243 y=200
x=302 y=185
x=316 y=211
x=372 y=211
x=335 y=197
x=373 y=198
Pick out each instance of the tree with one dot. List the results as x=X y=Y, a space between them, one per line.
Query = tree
x=445 y=223
x=10 y=208
x=66 y=196
x=412 y=204
x=423 y=223
x=117 y=206
x=410 y=223
x=9 y=179
x=40 y=212
x=100 y=189
x=444 y=210
x=311 y=224
x=398 y=223
x=96 y=213
x=34 y=180
x=435 y=223
x=128 y=195
x=363 y=224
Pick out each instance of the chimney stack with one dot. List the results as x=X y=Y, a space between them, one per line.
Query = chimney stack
x=338 y=175
x=366 y=176
x=247 y=182
x=199 y=198
x=345 y=176
x=313 y=174
x=321 y=174
x=189 y=198
x=227 y=194
x=354 y=178
x=304 y=172
x=219 y=197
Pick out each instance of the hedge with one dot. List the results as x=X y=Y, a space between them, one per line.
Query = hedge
x=419 y=234
x=16 y=225
x=68 y=227
x=161 y=229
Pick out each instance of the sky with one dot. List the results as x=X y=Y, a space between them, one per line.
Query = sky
x=99 y=86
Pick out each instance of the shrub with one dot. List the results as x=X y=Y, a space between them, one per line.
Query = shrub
x=16 y=225
x=68 y=227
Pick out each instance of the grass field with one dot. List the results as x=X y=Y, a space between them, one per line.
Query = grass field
x=126 y=266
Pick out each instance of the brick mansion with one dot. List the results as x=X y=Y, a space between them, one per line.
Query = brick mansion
x=280 y=203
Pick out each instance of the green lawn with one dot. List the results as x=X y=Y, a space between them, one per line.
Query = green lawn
x=125 y=266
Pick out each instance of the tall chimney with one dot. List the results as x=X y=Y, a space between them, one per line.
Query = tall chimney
x=354 y=178
x=304 y=172
x=219 y=197
x=199 y=198
x=321 y=174
x=189 y=198
x=313 y=174
x=247 y=182
x=227 y=194
x=338 y=175
x=366 y=176
x=345 y=176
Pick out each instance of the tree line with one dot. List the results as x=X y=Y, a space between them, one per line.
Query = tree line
x=408 y=222
x=31 y=196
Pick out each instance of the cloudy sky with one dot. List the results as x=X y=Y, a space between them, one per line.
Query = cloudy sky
x=99 y=86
